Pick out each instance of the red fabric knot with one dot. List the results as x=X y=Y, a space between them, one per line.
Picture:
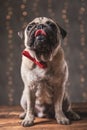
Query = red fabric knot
x=40 y=64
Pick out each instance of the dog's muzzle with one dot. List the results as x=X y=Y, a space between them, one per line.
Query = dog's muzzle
x=40 y=35
x=40 y=38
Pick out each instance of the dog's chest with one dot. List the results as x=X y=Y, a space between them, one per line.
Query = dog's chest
x=42 y=83
x=38 y=74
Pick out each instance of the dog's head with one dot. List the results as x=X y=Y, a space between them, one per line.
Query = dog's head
x=43 y=37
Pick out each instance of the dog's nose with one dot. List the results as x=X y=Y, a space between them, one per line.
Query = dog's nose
x=40 y=26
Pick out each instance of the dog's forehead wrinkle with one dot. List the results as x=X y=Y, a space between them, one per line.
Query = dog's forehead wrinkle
x=40 y=20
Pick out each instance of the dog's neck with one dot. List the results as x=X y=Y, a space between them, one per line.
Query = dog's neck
x=41 y=64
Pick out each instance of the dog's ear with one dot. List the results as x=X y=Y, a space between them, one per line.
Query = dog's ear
x=21 y=34
x=62 y=31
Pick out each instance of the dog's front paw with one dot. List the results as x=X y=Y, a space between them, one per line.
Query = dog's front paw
x=61 y=118
x=63 y=121
x=28 y=121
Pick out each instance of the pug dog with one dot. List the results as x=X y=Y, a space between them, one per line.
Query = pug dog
x=44 y=72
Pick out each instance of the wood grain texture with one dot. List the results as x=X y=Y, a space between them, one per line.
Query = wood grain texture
x=9 y=120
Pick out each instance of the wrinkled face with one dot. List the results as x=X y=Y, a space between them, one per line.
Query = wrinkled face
x=43 y=37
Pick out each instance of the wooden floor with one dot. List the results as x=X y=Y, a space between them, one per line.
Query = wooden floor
x=9 y=120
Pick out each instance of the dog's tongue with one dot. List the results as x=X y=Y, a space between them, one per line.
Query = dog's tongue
x=40 y=32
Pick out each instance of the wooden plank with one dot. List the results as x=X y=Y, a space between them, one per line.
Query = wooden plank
x=9 y=120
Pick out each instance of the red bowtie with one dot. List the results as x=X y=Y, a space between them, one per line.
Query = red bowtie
x=40 y=64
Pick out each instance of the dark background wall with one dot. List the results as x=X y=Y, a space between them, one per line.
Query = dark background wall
x=14 y=15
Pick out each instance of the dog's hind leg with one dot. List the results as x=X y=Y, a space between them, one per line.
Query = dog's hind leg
x=68 y=109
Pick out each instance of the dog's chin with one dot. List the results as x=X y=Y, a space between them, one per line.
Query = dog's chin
x=43 y=56
x=42 y=51
x=46 y=59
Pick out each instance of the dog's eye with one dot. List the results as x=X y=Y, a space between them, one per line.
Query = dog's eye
x=52 y=25
x=48 y=22
x=30 y=26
